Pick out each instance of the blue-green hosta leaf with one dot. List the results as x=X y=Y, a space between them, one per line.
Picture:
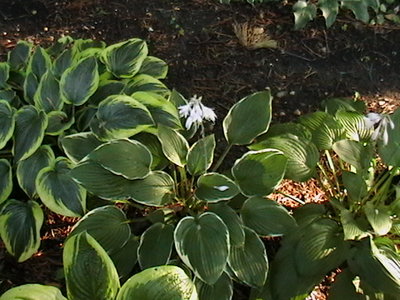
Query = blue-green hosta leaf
x=201 y=155
x=4 y=74
x=77 y=146
x=302 y=155
x=239 y=128
x=330 y=9
x=58 y=191
x=164 y=282
x=30 y=124
x=89 y=271
x=79 y=81
x=354 y=153
x=6 y=183
x=18 y=57
x=47 y=96
x=390 y=152
x=163 y=111
x=120 y=116
x=214 y=187
x=303 y=13
x=106 y=88
x=33 y=292
x=156 y=245
x=146 y=83
x=108 y=225
x=128 y=158
x=354 y=125
x=56 y=48
x=202 y=243
x=125 y=258
x=7 y=122
x=379 y=218
x=259 y=172
x=39 y=62
x=174 y=145
x=84 y=116
x=153 y=144
x=28 y=169
x=154 y=67
x=125 y=59
x=20 y=224
x=31 y=84
x=266 y=217
x=10 y=96
x=63 y=62
x=58 y=122
x=221 y=290
x=249 y=261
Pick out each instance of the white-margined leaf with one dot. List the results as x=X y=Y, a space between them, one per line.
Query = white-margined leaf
x=214 y=187
x=58 y=122
x=7 y=122
x=154 y=67
x=28 y=169
x=30 y=124
x=79 y=81
x=77 y=146
x=125 y=59
x=174 y=145
x=63 y=62
x=4 y=74
x=108 y=225
x=33 y=292
x=89 y=271
x=47 y=96
x=39 y=62
x=156 y=245
x=58 y=191
x=266 y=217
x=10 y=96
x=30 y=86
x=106 y=88
x=20 y=224
x=6 y=183
x=146 y=83
x=164 y=282
x=201 y=155
x=249 y=261
x=202 y=243
x=259 y=172
x=18 y=57
x=221 y=290
x=248 y=118
x=120 y=116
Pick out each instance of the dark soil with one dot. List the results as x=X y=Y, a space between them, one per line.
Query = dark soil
x=197 y=40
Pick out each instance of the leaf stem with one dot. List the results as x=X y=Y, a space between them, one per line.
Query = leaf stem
x=221 y=158
x=291 y=197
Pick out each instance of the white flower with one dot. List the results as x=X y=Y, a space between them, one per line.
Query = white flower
x=381 y=131
x=195 y=112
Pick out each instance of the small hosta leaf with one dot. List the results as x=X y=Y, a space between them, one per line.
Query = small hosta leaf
x=154 y=67
x=18 y=57
x=146 y=83
x=6 y=183
x=47 y=96
x=214 y=187
x=174 y=145
x=77 y=146
x=201 y=155
x=39 y=62
x=221 y=290
x=58 y=122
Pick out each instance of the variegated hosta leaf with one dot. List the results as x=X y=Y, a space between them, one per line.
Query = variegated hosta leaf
x=58 y=122
x=202 y=243
x=108 y=225
x=120 y=116
x=154 y=67
x=4 y=74
x=154 y=145
x=30 y=124
x=174 y=145
x=125 y=258
x=58 y=191
x=7 y=122
x=128 y=158
x=354 y=125
x=18 y=57
x=47 y=96
x=33 y=292
x=77 y=146
x=156 y=245
x=221 y=290
x=63 y=62
x=89 y=271
x=6 y=183
x=164 y=282
x=39 y=62
x=249 y=261
x=125 y=59
x=28 y=169
x=201 y=155
x=30 y=86
x=146 y=83
x=214 y=187
x=106 y=88
x=20 y=224
x=79 y=81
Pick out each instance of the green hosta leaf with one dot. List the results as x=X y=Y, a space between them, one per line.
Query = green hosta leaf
x=28 y=169
x=33 y=292
x=390 y=152
x=343 y=287
x=39 y=62
x=87 y=44
x=205 y=236
x=201 y=155
x=354 y=153
x=355 y=185
x=266 y=217
x=120 y=116
x=379 y=218
x=148 y=84
x=153 y=144
x=330 y=9
x=6 y=183
x=58 y=191
x=4 y=74
x=125 y=59
x=108 y=225
x=154 y=67
x=105 y=89
x=57 y=47
x=89 y=271
x=77 y=146
x=239 y=129
x=302 y=155
x=309 y=212
x=351 y=228
x=174 y=145
x=7 y=122
x=79 y=81
x=221 y=290
x=249 y=261
x=214 y=187
x=165 y=282
x=282 y=129
x=125 y=258
x=354 y=125
x=31 y=84
x=259 y=172
x=333 y=105
x=18 y=57
x=30 y=124
x=20 y=224
x=63 y=62
x=58 y=122
x=10 y=96
x=47 y=96
x=84 y=116
x=156 y=245
x=128 y=158
x=303 y=13
x=359 y=8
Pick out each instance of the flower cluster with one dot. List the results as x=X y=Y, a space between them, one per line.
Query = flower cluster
x=380 y=131
x=195 y=112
